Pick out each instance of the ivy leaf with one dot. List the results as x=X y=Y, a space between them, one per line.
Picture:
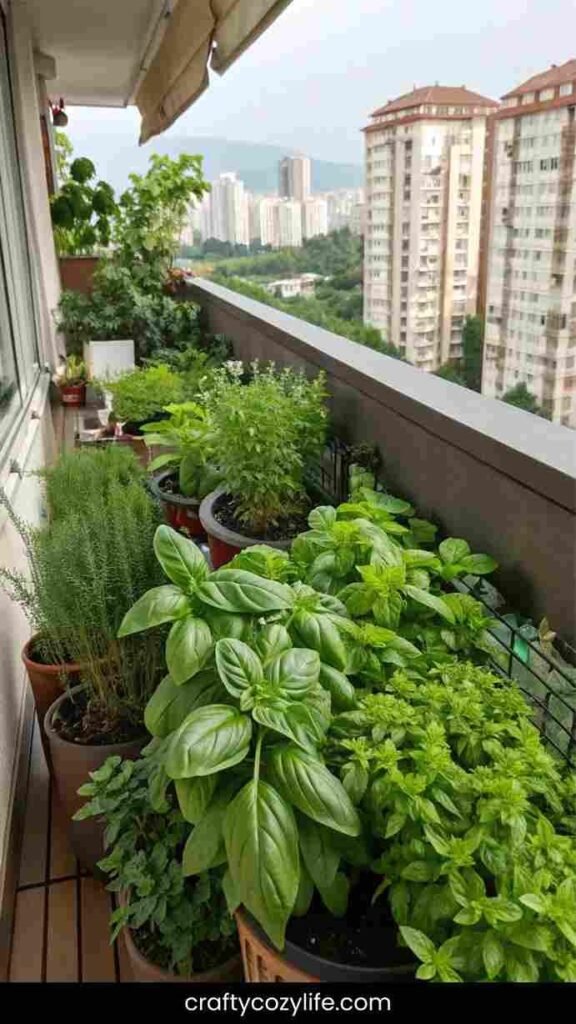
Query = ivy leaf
x=180 y=559
x=239 y=667
x=155 y=607
x=188 y=647
x=262 y=848
x=209 y=740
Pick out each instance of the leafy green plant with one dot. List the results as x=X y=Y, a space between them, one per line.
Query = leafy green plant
x=82 y=477
x=266 y=432
x=472 y=817
x=74 y=372
x=180 y=924
x=187 y=432
x=82 y=212
x=142 y=393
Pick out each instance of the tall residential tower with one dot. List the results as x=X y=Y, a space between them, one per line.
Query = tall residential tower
x=294 y=178
x=424 y=191
x=530 y=334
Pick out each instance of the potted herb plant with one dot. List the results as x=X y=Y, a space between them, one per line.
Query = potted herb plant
x=239 y=726
x=72 y=382
x=174 y=928
x=193 y=472
x=141 y=396
x=266 y=433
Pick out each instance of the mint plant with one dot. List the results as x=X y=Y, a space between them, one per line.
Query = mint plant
x=187 y=433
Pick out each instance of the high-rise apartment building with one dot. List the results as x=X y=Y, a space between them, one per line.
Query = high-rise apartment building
x=314 y=217
x=229 y=218
x=276 y=222
x=294 y=177
x=289 y=223
x=424 y=179
x=530 y=332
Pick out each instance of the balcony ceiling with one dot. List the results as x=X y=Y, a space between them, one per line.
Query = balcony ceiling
x=98 y=47
x=154 y=53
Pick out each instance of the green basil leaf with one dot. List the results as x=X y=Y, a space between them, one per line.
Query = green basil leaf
x=355 y=781
x=358 y=598
x=479 y=565
x=226 y=625
x=339 y=687
x=156 y=606
x=188 y=648
x=238 y=666
x=209 y=740
x=430 y=601
x=321 y=634
x=419 y=943
x=194 y=796
x=304 y=895
x=262 y=847
x=158 y=783
x=273 y=640
x=295 y=671
x=335 y=895
x=234 y=590
x=205 y=845
x=170 y=704
x=296 y=721
x=492 y=954
x=319 y=852
x=322 y=518
x=180 y=559
x=231 y=894
x=453 y=550
x=309 y=786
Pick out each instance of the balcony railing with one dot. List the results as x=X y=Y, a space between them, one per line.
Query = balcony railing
x=502 y=478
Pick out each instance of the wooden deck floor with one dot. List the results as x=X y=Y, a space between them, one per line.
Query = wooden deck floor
x=60 y=928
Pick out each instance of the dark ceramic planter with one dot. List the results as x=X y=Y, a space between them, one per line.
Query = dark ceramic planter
x=181 y=513
x=225 y=543
x=264 y=963
x=71 y=765
x=144 y=970
x=73 y=395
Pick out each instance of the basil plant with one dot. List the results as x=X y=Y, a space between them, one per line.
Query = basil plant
x=239 y=724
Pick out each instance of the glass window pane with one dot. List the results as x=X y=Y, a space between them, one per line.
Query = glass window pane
x=10 y=398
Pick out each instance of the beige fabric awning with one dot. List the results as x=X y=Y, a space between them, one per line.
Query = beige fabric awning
x=196 y=31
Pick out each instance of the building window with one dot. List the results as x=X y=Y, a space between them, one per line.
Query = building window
x=19 y=363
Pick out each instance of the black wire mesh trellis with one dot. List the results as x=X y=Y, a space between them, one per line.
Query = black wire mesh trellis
x=541 y=664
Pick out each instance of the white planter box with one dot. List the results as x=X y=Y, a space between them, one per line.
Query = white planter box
x=106 y=360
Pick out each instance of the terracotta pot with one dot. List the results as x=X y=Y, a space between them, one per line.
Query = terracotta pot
x=71 y=763
x=77 y=273
x=47 y=683
x=263 y=963
x=73 y=395
x=138 y=446
x=144 y=970
x=181 y=513
x=225 y=543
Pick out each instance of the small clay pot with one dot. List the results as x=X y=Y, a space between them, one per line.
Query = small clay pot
x=225 y=543
x=47 y=683
x=71 y=764
x=180 y=513
x=144 y=970
x=73 y=395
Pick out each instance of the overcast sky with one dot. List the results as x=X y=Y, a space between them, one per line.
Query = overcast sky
x=312 y=79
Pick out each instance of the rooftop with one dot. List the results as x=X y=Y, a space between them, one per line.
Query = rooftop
x=557 y=74
x=438 y=94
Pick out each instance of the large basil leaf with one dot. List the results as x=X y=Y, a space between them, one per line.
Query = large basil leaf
x=194 y=796
x=479 y=565
x=181 y=560
x=339 y=687
x=272 y=641
x=156 y=606
x=188 y=648
x=226 y=625
x=238 y=666
x=322 y=518
x=321 y=634
x=358 y=598
x=295 y=671
x=170 y=704
x=453 y=550
x=234 y=590
x=262 y=847
x=205 y=846
x=209 y=740
x=430 y=601
x=309 y=786
x=335 y=895
x=296 y=721
x=305 y=893
x=319 y=852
